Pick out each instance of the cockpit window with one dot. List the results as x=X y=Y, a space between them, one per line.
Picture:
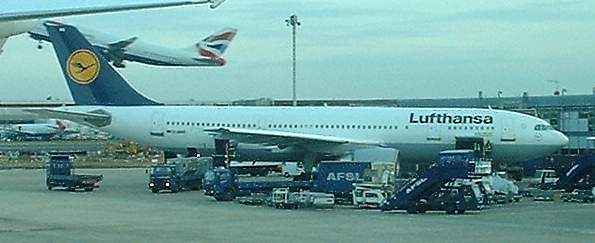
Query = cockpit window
x=543 y=127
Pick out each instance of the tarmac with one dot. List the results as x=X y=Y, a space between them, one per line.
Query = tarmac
x=124 y=210
x=44 y=146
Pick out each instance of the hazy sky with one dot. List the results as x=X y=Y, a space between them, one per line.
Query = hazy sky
x=346 y=49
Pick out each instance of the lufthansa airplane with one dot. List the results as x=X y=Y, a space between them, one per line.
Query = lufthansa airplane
x=207 y=52
x=106 y=101
x=21 y=22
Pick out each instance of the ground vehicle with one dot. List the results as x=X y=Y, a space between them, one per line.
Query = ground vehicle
x=292 y=169
x=60 y=173
x=334 y=177
x=253 y=168
x=284 y=198
x=576 y=183
x=544 y=177
x=431 y=192
x=338 y=177
x=224 y=185
x=178 y=174
x=369 y=195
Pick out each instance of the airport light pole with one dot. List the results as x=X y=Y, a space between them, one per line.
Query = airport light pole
x=294 y=23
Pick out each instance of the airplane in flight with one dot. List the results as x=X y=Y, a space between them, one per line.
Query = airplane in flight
x=20 y=22
x=43 y=131
x=106 y=101
x=207 y=52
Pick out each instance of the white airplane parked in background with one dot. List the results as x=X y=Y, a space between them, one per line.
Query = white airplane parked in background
x=207 y=52
x=106 y=101
x=43 y=130
x=21 y=22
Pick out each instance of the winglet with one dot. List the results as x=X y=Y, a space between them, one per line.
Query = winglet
x=216 y=3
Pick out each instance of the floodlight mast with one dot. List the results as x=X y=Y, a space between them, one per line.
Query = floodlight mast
x=294 y=23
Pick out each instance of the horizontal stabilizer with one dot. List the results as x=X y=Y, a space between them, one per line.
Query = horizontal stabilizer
x=98 y=118
x=119 y=45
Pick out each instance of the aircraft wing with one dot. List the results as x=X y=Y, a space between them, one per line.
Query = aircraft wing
x=97 y=118
x=42 y=14
x=286 y=139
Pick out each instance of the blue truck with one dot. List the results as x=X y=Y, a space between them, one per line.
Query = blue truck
x=335 y=177
x=178 y=174
x=60 y=173
x=435 y=190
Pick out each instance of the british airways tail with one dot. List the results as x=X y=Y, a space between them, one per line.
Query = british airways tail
x=215 y=45
x=90 y=78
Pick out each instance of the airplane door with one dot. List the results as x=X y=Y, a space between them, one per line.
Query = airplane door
x=157 y=125
x=507 y=131
x=433 y=133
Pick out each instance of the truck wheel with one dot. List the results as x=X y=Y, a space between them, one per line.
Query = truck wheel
x=229 y=195
x=72 y=189
x=154 y=190
x=451 y=208
x=49 y=188
x=88 y=189
x=412 y=209
x=421 y=207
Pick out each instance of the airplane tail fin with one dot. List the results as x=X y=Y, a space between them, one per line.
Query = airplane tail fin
x=215 y=45
x=90 y=78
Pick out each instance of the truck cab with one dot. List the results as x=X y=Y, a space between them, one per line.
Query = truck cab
x=179 y=174
x=163 y=177
x=220 y=183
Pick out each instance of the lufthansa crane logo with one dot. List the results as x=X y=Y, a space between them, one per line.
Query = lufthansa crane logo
x=83 y=66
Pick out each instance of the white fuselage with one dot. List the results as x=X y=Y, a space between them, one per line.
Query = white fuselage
x=418 y=134
x=137 y=51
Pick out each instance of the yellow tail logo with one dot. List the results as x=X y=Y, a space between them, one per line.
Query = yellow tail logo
x=83 y=66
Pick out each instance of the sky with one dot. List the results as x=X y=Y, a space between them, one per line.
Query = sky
x=345 y=49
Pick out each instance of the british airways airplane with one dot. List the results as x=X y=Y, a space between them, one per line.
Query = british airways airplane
x=43 y=131
x=21 y=22
x=106 y=101
x=207 y=52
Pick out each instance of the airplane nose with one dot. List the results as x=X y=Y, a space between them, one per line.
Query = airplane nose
x=563 y=139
